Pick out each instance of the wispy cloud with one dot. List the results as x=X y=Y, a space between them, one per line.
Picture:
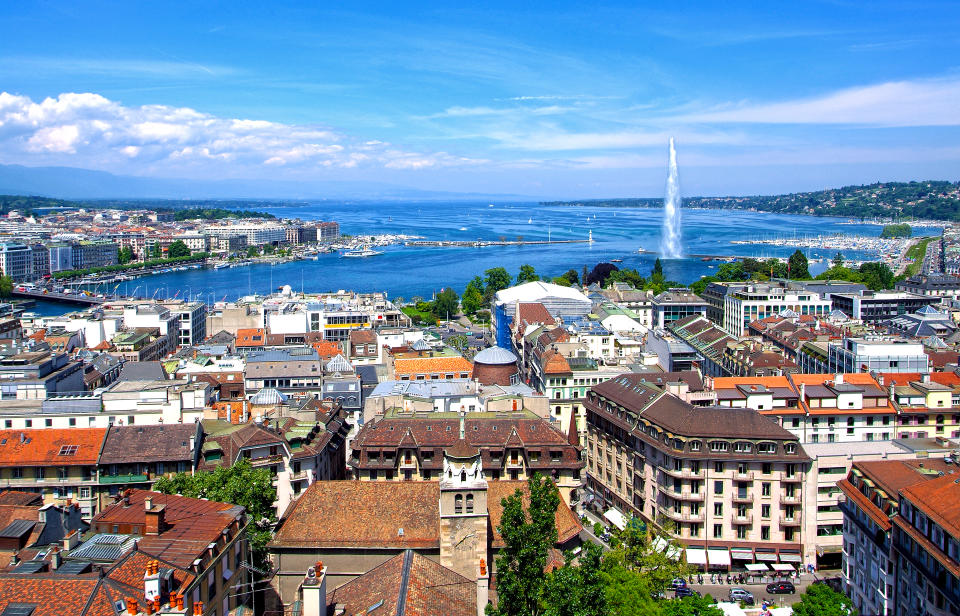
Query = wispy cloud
x=99 y=66
x=931 y=102
x=89 y=130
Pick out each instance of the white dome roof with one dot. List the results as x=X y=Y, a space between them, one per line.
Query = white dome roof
x=495 y=356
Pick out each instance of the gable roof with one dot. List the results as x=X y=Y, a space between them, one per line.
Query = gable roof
x=410 y=584
x=46 y=447
x=150 y=443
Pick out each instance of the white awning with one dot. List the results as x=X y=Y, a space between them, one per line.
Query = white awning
x=696 y=556
x=616 y=518
x=718 y=557
x=741 y=553
x=766 y=556
x=782 y=567
x=789 y=558
x=756 y=567
x=660 y=545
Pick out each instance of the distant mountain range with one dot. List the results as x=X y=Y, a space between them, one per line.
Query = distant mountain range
x=74 y=183
x=926 y=200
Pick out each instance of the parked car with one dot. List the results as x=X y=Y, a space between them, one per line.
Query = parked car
x=680 y=593
x=678 y=583
x=781 y=588
x=740 y=594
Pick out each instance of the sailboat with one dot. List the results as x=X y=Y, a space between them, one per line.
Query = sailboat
x=530 y=221
x=363 y=251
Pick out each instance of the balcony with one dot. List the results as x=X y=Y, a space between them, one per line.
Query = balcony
x=793 y=520
x=266 y=460
x=743 y=519
x=128 y=478
x=795 y=478
x=682 y=517
x=300 y=475
x=682 y=474
x=745 y=496
x=745 y=476
x=790 y=499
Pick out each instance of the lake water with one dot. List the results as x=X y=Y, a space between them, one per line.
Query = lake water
x=418 y=271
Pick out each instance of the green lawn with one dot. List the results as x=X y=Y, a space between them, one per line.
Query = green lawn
x=916 y=252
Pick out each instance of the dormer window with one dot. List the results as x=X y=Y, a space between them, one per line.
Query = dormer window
x=767 y=448
x=790 y=448
x=719 y=446
x=695 y=445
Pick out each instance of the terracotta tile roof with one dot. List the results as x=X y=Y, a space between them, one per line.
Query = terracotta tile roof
x=15 y=497
x=363 y=336
x=938 y=498
x=568 y=525
x=154 y=443
x=251 y=337
x=554 y=363
x=905 y=378
x=432 y=365
x=360 y=514
x=534 y=312
x=191 y=523
x=44 y=447
x=853 y=378
x=865 y=504
x=409 y=584
x=327 y=349
x=53 y=595
x=730 y=382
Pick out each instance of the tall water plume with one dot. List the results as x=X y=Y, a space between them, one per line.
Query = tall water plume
x=670 y=233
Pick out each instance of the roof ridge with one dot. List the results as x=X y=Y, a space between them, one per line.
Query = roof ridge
x=404 y=582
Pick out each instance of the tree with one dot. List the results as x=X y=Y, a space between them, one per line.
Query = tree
x=797 y=266
x=877 y=275
x=6 y=286
x=125 y=255
x=177 y=249
x=157 y=251
x=657 y=268
x=472 y=299
x=821 y=600
x=577 y=590
x=527 y=274
x=630 y=276
x=268 y=249
x=240 y=484
x=561 y=281
x=527 y=537
x=600 y=273
x=692 y=606
x=628 y=592
x=497 y=279
x=253 y=251
x=651 y=550
x=571 y=276
x=447 y=304
x=838 y=260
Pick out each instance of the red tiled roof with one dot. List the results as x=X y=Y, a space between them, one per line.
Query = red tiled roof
x=47 y=447
x=938 y=498
x=251 y=337
x=431 y=365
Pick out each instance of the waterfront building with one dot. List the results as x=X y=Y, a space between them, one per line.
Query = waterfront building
x=744 y=304
x=88 y=254
x=675 y=304
x=729 y=479
x=256 y=234
x=876 y=354
x=16 y=261
x=878 y=307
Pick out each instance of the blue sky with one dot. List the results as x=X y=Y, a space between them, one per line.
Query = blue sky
x=551 y=99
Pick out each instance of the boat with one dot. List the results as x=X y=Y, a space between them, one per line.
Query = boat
x=530 y=221
x=616 y=260
x=221 y=266
x=363 y=251
x=463 y=228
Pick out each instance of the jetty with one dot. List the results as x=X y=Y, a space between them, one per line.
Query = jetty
x=483 y=243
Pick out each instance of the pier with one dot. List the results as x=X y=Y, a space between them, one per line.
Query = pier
x=65 y=298
x=482 y=243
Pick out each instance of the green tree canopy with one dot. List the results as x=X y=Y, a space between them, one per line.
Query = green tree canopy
x=528 y=535
x=571 y=276
x=447 y=304
x=577 y=589
x=797 y=266
x=821 y=600
x=253 y=251
x=473 y=296
x=497 y=279
x=527 y=274
x=6 y=286
x=657 y=268
x=177 y=249
x=652 y=550
x=240 y=484
x=691 y=606
x=125 y=255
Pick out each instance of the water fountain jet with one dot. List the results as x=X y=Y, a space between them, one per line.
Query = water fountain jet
x=670 y=233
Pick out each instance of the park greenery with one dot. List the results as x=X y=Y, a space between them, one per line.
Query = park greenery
x=6 y=286
x=925 y=200
x=239 y=484
x=821 y=600
x=624 y=581
x=916 y=253
x=216 y=213
x=206 y=209
x=122 y=267
x=896 y=230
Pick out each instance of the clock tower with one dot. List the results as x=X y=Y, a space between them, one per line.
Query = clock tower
x=463 y=511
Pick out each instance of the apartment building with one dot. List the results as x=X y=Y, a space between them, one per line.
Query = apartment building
x=932 y=285
x=16 y=261
x=926 y=540
x=290 y=370
x=728 y=480
x=927 y=404
x=747 y=303
x=675 y=304
x=256 y=234
x=37 y=373
x=512 y=445
x=871 y=500
x=877 y=354
x=876 y=307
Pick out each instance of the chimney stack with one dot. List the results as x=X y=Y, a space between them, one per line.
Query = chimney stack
x=148 y=503
x=132 y=607
x=154 y=520
x=483 y=587
x=314 y=590
x=197 y=608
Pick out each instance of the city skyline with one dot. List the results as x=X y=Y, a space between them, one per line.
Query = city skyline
x=559 y=102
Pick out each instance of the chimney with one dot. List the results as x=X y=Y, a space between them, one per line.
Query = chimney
x=132 y=607
x=197 y=608
x=483 y=587
x=148 y=503
x=314 y=590
x=925 y=377
x=56 y=558
x=891 y=392
x=154 y=520
x=838 y=379
x=71 y=540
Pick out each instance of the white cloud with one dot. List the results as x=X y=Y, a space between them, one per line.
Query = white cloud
x=897 y=103
x=557 y=140
x=89 y=130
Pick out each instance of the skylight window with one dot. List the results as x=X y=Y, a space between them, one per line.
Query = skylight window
x=68 y=450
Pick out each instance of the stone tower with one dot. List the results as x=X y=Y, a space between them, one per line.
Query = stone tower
x=463 y=511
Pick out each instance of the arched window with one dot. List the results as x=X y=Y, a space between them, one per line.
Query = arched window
x=469 y=503
x=458 y=503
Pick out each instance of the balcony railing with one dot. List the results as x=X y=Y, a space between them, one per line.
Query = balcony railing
x=790 y=499
x=682 y=516
x=267 y=460
x=743 y=519
x=743 y=497
x=685 y=473
x=791 y=520
x=128 y=478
